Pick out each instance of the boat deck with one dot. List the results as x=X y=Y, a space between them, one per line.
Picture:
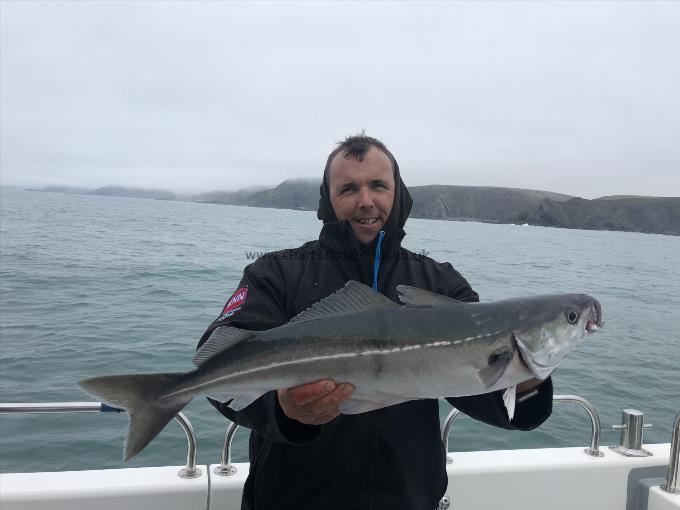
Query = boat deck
x=555 y=478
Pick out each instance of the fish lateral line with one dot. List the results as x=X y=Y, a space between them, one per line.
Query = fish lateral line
x=370 y=352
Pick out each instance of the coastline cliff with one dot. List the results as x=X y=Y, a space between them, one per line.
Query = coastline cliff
x=657 y=215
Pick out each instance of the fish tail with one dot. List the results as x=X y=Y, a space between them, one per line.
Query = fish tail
x=140 y=395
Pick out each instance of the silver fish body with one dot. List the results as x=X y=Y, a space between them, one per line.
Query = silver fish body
x=431 y=347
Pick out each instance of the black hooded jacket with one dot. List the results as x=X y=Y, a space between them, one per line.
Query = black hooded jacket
x=388 y=458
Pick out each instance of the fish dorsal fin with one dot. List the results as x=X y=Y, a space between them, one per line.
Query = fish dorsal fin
x=353 y=297
x=220 y=339
x=412 y=296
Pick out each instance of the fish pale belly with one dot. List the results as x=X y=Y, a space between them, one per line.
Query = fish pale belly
x=423 y=373
x=378 y=378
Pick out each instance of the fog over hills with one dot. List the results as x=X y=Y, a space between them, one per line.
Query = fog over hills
x=72 y=190
x=239 y=197
x=290 y=194
x=660 y=215
x=129 y=192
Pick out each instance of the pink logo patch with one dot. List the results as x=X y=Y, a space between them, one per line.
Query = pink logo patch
x=235 y=302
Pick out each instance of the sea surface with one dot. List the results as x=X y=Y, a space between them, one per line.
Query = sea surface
x=94 y=285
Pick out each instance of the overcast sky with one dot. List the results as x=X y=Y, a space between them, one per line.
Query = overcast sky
x=579 y=98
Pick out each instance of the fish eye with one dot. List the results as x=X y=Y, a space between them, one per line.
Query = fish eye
x=572 y=316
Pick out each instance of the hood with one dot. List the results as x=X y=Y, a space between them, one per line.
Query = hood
x=394 y=226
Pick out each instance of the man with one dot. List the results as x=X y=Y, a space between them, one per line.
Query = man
x=304 y=453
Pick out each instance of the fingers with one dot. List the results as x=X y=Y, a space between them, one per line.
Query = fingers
x=315 y=403
x=308 y=393
x=330 y=402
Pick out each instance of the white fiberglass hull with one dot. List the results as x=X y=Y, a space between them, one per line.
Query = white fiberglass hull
x=555 y=478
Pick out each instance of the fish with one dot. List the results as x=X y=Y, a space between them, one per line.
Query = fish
x=429 y=346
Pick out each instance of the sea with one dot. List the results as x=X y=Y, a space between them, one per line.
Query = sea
x=93 y=285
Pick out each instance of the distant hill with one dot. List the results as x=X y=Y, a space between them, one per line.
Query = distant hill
x=635 y=214
x=620 y=197
x=477 y=203
x=239 y=197
x=300 y=194
x=73 y=190
x=120 y=191
x=658 y=215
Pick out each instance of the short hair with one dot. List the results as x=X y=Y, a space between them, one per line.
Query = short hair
x=357 y=146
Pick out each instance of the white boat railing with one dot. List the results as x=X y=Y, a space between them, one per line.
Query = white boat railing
x=605 y=484
x=446 y=430
x=189 y=471
x=671 y=484
x=593 y=451
x=225 y=468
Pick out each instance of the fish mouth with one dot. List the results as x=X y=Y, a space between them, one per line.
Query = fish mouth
x=594 y=325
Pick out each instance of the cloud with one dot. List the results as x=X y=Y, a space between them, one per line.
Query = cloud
x=570 y=97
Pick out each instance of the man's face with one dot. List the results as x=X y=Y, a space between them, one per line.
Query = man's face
x=362 y=191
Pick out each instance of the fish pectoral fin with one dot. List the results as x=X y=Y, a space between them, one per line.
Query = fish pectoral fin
x=240 y=402
x=509 y=400
x=495 y=369
x=413 y=296
x=353 y=297
x=236 y=402
x=220 y=339
x=356 y=406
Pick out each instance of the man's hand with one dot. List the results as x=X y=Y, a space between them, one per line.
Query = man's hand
x=315 y=403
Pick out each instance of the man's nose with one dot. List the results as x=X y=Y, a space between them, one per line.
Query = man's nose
x=365 y=198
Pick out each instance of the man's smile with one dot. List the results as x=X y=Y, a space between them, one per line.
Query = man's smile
x=366 y=221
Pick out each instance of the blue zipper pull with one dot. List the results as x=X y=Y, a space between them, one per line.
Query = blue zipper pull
x=376 y=261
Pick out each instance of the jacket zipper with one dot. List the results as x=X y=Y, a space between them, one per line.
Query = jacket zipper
x=376 y=259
